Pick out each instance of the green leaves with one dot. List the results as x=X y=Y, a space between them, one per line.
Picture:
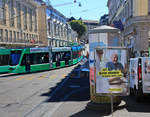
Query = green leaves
x=78 y=26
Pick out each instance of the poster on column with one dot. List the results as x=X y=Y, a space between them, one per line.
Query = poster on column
x=111 y=65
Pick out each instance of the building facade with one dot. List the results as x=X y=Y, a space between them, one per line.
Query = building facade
x=90 y=24
x=104 y=20
x=58 y=30
x=19 y=23
x=132 y=16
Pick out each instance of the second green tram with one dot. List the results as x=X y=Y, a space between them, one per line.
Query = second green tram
x=39 y=59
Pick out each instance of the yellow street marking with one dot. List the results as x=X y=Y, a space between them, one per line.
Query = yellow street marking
x=30 y=78
x=43 y=76
x=52 y=76
x=64 y=75
x=20 y=78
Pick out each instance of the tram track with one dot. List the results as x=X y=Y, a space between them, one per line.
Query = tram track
x=24 y=84
x=48 y=75
x=28 y=99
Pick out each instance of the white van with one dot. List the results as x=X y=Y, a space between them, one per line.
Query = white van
x=140 y=76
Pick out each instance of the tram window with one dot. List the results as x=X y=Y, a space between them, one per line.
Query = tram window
x=67 y=55
x=45 y=58
x=53 y=57
x=14 y=59
x=4 y=60
x=39 y=58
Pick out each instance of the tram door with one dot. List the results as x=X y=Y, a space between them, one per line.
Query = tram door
x=28 y=63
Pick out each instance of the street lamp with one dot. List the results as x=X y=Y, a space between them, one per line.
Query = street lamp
x=78 y=2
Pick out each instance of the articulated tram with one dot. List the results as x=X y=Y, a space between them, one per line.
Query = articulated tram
x=43 y=58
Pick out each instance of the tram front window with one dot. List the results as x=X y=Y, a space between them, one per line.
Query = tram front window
x=4 y=60
x=15 y=57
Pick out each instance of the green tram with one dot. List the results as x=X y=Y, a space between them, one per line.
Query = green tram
x=43 y=58
x=4 y=57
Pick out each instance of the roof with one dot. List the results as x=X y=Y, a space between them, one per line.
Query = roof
x=90 y=21
x=104 y=29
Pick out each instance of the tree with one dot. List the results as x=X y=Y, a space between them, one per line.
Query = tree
x=78 y=26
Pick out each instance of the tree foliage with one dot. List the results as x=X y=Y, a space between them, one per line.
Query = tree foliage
x=78 y=26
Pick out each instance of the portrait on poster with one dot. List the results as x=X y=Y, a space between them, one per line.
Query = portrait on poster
x=111 y=71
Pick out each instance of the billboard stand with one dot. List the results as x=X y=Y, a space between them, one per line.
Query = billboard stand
x=112 y=108
x=110 y=74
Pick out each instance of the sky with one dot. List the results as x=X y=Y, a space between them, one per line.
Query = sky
x=90 y=9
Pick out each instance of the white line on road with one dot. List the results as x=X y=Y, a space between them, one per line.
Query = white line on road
x=49 y=113
x=74 y=86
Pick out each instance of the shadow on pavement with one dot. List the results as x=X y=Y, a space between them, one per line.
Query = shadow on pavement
x=92 y=113
x=74 y=87
x=129 y=104
x=134 y=106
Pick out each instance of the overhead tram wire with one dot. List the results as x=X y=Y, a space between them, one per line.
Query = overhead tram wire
x=63 y=4
x=86 y=10
x=67 y=3
x=58 y=5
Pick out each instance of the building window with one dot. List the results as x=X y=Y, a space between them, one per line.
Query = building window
x=6 y=35
x=61 y=31
x=18 y=15
x=1 y=35
x=36 y=37
x=149 y=6
x=25 y=17
x=54 y=29
x=14 y=36
x=35 y=21
x=57 y=30
x=21 y=40
x=2 y=12
x=30 y=37
x=11 y=12
x=65 y=33
x=27 y=38
x=10 y=36
x=18 y=36
x=30 y=19
x=24 y=35
x=49 y=27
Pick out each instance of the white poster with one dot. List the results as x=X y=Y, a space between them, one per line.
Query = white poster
x=111 y=71
x=146 y=74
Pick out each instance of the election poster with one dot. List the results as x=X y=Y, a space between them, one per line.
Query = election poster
x=111 y=71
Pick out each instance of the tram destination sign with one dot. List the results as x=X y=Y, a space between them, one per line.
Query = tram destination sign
x=34 y=50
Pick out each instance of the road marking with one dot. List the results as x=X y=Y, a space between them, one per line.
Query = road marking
x=74 y=86
x=49 y=113
x=20 y=78
x=52 y=94
x=53 y=76
x=64 y=75
x=43 y=76
x=30 y=78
